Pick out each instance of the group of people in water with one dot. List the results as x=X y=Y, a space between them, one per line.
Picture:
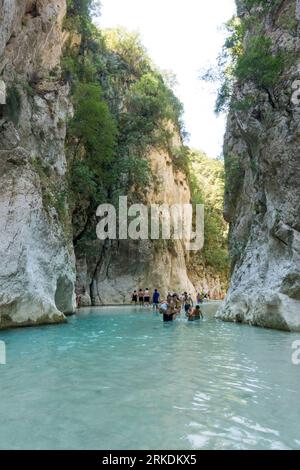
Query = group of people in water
x=173 y=305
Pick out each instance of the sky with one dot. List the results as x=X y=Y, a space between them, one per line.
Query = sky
x=184 y=37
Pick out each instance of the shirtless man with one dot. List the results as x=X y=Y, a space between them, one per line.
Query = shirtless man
x=141 y=297
x=147 y=297
x=195 y=314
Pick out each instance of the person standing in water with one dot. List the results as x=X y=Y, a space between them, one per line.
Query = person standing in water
x=178 y=304
x=147 y=297
x=134 y=298
x=170 y=313
x=156 y=296
x=195 y=314
x=188 y=304
x=141 y=297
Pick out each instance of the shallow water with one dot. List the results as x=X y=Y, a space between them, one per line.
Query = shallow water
x=121 y=379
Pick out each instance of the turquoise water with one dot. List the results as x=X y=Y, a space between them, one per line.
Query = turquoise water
x=121 y=379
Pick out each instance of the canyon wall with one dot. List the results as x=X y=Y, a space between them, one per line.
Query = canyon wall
x=41 y=246
x=37 y=270
x=262 y=155
x=116 y=268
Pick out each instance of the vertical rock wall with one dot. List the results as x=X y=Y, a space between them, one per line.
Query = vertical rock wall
x=37 y=263
x=263 y=201
x=115 y=269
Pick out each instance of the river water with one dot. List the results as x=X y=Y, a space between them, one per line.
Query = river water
x=122 y=379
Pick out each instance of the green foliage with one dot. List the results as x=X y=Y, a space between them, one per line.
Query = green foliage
x=257 y=3
x=243 y=105
x=254 y=58
x=258 y=64
x=79 y=14
x=83 y=181
x=123 y=110
x=127 y=53
x=262 y=6
x=180 y=156
x=153 y=100
x=94 y=128
x=207 y=185
x=12 y=108
x=53 y=195
x=234 y=175
x=288 y=21
x=93 y=124
x=152 y=114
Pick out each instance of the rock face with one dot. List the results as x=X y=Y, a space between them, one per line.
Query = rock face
x=37 y=272
x=123 y=266
x=263 y=204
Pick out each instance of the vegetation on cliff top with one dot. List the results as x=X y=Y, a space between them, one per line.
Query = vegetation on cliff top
x=248 y=55
x=123 y=108
x=122 y=105
x=250 y=69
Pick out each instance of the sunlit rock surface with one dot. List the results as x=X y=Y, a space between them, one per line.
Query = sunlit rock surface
x=125 y=265
x=264 y=206
x=37 y=263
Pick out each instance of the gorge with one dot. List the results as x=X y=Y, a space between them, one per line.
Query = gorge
x=85 y=116
x=55 y=168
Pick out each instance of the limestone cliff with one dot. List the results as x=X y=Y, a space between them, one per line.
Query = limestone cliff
x=112 y=270
x=149 y=166
x=47 y=52
x=37 y=263
x=262 y=156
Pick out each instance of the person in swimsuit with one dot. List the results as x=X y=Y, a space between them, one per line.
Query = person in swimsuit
x=195 y=314
x=169 y=314
x=177 y=304
x=147 y=297
x=188 y=304
x=141 y=297
x=174 y=308
x=134 y=297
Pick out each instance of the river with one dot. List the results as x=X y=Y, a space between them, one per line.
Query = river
x=119 y=378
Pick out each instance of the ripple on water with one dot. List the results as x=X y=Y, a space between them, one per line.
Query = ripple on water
x=124 y=380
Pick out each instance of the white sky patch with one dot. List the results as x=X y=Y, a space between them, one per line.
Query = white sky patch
x=185 y=38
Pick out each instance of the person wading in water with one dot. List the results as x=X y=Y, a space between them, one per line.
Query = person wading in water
x=134 y=297
x=147 y=297
x=195 y=314
x=141 y=297
x=188 y=304
x=173 y=308
x=155 y=299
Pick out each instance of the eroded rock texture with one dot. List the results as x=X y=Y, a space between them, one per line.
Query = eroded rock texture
x=112 y=270
x=37 y=263
x=263 y=199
